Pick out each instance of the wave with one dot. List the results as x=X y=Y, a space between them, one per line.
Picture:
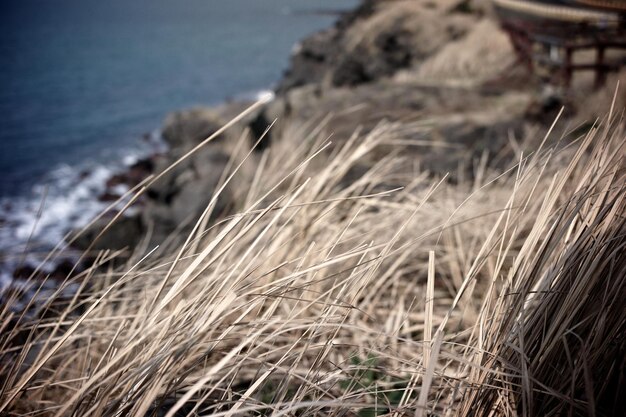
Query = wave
x=67 y=199
x=257 y=95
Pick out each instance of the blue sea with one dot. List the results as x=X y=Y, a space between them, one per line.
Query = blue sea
x=81 y=81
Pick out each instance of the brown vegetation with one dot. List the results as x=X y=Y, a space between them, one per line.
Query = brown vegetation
x=441 y=257
x=391 y=293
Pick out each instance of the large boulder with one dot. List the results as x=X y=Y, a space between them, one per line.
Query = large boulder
x=187 y=128
x=173 y=203
x=177 y=200
x=124 y=233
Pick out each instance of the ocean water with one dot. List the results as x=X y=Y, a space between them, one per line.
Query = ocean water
x=82 y=80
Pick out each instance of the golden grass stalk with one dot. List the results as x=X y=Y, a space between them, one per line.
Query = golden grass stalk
x=321 y=296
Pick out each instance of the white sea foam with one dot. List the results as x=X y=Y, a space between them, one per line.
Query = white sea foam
x=265 y=96
x=66 y=200
x=260 y=95
x=34 y=225
x=296 y=48
x=5 y=280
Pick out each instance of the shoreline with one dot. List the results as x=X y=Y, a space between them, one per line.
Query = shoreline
x=68 y=198
x=375 y=61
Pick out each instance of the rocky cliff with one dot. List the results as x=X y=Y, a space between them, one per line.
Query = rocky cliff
x=443 y=63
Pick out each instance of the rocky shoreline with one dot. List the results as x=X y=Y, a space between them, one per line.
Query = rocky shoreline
x=445 y=64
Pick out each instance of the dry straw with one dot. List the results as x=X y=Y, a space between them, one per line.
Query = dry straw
x=392 y=293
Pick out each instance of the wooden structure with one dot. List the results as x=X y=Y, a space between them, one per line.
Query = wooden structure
x=547 y=34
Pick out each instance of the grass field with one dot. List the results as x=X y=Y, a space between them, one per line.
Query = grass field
x=339 y=292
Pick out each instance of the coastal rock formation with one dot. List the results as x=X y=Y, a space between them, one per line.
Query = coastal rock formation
x=176 y=200
x=444 y=64
x=378 y=39
x=125 y=232
x=186 y=128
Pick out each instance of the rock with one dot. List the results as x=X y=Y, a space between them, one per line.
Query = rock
x=139 y=171
x=116 y=180
x=187 y=128
x=126 y=232
x=25 y=272
x=197 y=185
x=180 y=197
x=60 y=272
x=64 y=269
x=278 y=109
x=389 y=60
x=313 y=57
x=390 y=51
x=134 y=174
x=311 y=60
x=108 y=197
x=258 y=126
x=374 y=42
x=84 y=174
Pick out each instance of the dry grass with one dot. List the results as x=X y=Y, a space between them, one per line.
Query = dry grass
x=393 y=293
x=483 y=54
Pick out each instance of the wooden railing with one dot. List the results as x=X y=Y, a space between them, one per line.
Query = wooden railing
x=559 y=31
